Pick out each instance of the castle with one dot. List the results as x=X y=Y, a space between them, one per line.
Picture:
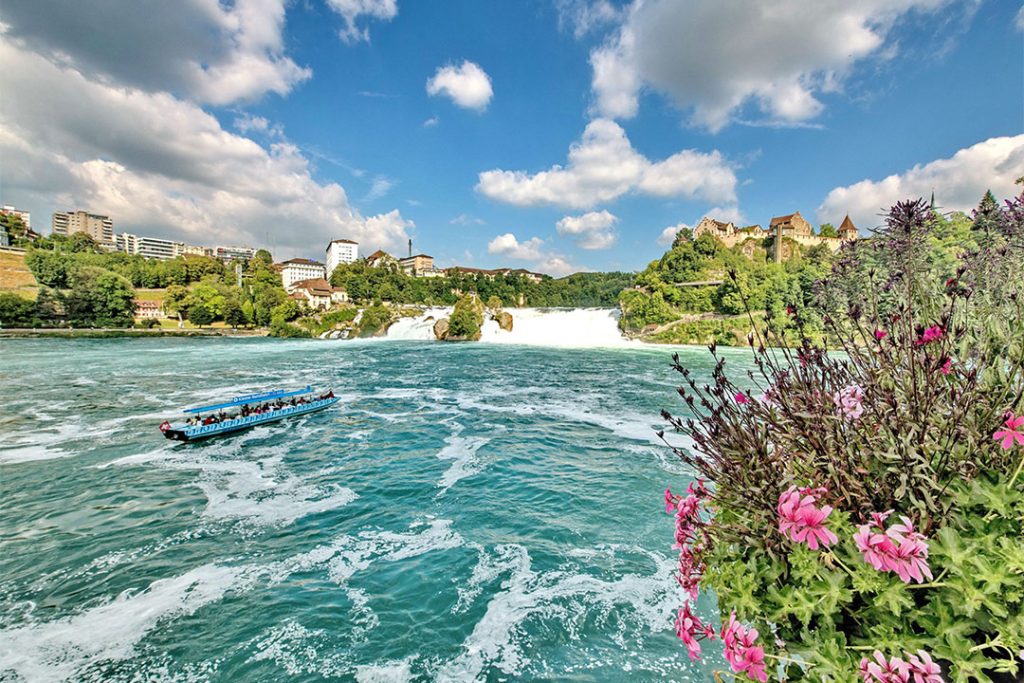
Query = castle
x=787 y=230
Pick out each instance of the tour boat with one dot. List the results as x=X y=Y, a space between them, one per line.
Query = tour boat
x=243 y=412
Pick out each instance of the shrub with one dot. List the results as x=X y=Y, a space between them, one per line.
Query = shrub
x=865 y=509
x=466 y=319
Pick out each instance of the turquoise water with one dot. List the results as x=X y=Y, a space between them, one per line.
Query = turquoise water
x=466 y=512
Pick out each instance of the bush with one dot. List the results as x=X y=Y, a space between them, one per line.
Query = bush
x=466 y=319
x=16 y=311
x=374 y=321
x=861 y=514
x=279 y=328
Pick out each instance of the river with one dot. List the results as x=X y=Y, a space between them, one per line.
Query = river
x=466 y=512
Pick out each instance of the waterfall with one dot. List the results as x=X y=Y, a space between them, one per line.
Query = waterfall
x=530 y=326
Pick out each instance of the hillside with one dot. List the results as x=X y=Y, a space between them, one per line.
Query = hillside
x=15 y=276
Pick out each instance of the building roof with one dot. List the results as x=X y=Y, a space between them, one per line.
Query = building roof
x=301 y=262
x=410 y=258
x=316 y=286
x=788 y=218
x=379 y=254
x=847 y=225
x=340 y=242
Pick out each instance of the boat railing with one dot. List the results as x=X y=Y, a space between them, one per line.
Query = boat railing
x=234 y=422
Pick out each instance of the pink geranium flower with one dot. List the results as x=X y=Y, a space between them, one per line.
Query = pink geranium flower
x=924 y=669
x=801 y=521
x=850 y=402
x=1013 y=433
x=741 y=398
x=947 y=366
x=691 y=630
x=899 y=549
x=880 y=334
x=895 y=670
x=740 y=651
x=933 y=333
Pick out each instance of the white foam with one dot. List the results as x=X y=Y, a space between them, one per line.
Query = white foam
x=525 y=593
x=462 y=451
x=398 y=671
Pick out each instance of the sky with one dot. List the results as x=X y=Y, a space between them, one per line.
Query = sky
x=553 y=135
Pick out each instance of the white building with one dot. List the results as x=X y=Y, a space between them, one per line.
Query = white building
x=233 y=253
x=25 y=216
x=100 y=228
x=147 y=247
x=298 y=269
x=341 y=251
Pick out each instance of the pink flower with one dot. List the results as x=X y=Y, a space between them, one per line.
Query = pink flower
x=880 y=334
x=1014 y=432
x=899 y=549
x=881 y=671
x=924 y=669
x=801 y=521
x=933 y=333
x=849 y=402
x=947 y=367
x=691 y=631
x=670 y=501
x=740 y=651
x=741 y=398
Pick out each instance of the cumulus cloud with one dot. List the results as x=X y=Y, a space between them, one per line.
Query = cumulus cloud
x=162 y=166
x=466 y=219
x=584 y=16
x=713 y=57
x=467 y=85
x=668 y=235
x=211 y=52
x=352 y=10
x=591 y=230
x=603 y=166
x=531 y=250
x=958 y=182
x=508 y=245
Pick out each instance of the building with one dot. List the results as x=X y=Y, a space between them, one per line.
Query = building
x=316 y=292
x=847 y=230
x=227 y=254
x=791 y=225
x=149 y=310
x=419 y=265
x=146 y=247
x=727 y=232
x=298 y=269
x=341 y=251
x=183 y=249
x=491 y=274
x=381 y=258
x=100 y=228
x=25 y=216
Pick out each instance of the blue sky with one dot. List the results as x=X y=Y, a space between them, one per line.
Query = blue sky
x=285 y=124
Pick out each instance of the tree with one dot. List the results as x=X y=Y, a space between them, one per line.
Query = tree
x=286 y=311
x=16 y=311
x=233 y=313
x=828 y=230
x=264 y=257
x=100 y=298
x=493 y=303
x=50 y=268
x=200 y=314
x=176 y=301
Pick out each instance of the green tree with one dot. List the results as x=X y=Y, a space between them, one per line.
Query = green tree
x=176 y=301
x=16 y=311
x=233 y=313
x=200 y=314
x=264 y=257
x=50 y=268
x=286 y=311
x=493 y=302
x=100 y=298
x=828 y=230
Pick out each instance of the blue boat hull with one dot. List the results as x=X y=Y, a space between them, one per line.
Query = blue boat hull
x=198 y=432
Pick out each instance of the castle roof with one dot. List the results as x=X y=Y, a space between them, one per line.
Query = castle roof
x=788 y=218
x=847 y=225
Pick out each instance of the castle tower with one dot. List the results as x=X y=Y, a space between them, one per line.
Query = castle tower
x=847 y=230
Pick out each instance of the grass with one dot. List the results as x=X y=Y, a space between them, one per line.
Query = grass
x=15 y=277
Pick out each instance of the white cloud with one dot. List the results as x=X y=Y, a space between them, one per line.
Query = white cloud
x=532 y=250
x=958 y=182
x=162 y=166
x=352 y=10
x=668 y=235
x=468 y=85
x=508 y=245
x=431 y=122
x=591 y=230
x=466 y=219
x=713 y=57
x=211 y=52
x=1019 y=19
x=379 y=187
x=729 y=214
x=604 y=166
x=247 y=123
x=585 y=16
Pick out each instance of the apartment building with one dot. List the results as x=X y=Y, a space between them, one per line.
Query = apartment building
x=97 y=226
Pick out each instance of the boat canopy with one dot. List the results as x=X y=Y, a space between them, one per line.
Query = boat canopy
x=251 y=398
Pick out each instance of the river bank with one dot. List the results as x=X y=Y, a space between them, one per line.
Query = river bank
x=110 y=333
